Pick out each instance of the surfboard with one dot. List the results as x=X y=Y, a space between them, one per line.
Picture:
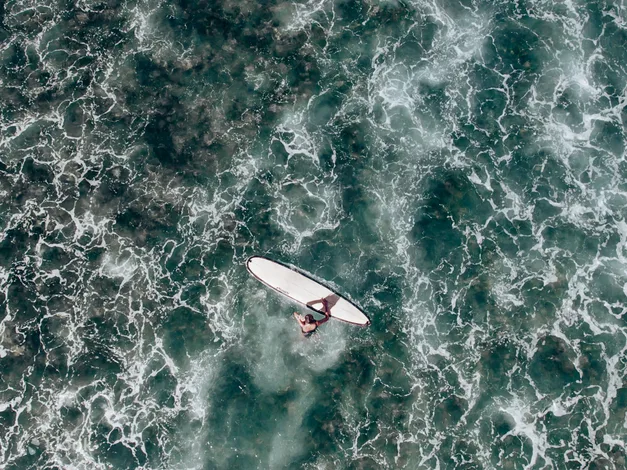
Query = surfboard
x=302 y=288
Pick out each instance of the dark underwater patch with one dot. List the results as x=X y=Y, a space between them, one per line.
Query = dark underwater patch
x=552 y=368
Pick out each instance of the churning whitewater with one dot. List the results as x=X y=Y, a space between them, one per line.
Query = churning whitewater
x=456 y=168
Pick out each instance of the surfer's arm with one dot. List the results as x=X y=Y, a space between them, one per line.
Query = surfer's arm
x=298 y=318
x=325 y=306
x=323 y=320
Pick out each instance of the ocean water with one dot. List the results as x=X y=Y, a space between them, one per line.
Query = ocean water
x=457 y=168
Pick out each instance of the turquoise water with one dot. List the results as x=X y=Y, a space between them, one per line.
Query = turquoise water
x=456 y=168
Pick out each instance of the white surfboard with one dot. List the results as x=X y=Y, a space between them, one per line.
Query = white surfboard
x=304 y=290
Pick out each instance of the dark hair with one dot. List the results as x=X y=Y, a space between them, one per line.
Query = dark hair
x=309 y=317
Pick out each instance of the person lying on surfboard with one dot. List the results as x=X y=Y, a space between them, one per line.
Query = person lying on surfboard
x=307 y=322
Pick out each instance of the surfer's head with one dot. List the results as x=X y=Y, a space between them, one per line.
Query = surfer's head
x=309 y=318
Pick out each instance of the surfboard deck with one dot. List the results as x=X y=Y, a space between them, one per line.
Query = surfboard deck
x=301 y=288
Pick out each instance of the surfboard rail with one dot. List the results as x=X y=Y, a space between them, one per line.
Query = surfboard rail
x=302 y=288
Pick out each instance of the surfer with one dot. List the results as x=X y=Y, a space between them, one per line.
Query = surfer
x=307 y=323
